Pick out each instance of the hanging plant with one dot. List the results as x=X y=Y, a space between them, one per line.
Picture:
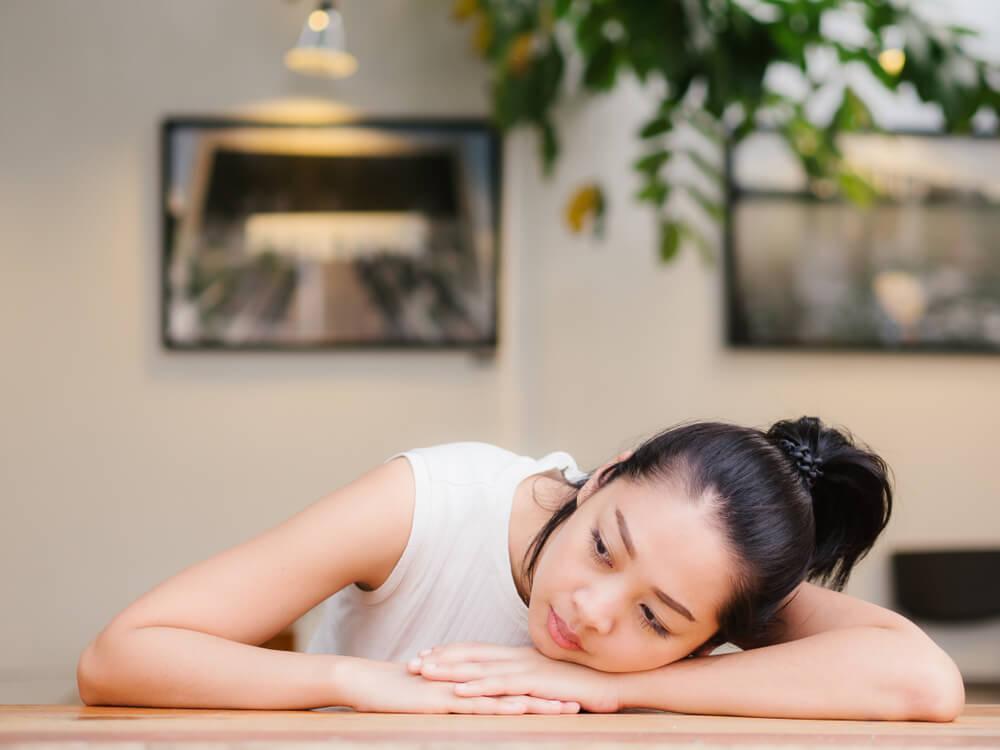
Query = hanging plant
x=711 y=58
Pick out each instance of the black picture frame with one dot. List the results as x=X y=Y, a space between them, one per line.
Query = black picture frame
x=743 y=300
x=433 y=193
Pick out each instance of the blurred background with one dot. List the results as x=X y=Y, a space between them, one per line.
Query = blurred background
x=122 y=462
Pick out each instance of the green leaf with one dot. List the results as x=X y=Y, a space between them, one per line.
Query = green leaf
x=791 y=44
x=654 y=192
x=562 y=8
x=651 y=163
x=705 y=248
x=707 y=168
x=601 y=69
x=707 y=125
x=656 y=126
x=962 y=30
x=856 y=189
x=590 y=28
x=670 y=240
x=713 y=208
x=852 y=114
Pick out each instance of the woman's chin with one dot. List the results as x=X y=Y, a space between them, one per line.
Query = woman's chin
x=545 y=647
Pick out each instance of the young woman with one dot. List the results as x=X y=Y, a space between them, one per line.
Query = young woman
x=464 y=578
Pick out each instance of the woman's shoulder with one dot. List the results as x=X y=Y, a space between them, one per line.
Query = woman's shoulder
x=465 y=462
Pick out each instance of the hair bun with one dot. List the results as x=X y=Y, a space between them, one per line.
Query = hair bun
x=850 y=490
x=807 y=443
x=808 y=464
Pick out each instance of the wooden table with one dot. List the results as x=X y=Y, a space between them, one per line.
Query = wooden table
x=55 y=727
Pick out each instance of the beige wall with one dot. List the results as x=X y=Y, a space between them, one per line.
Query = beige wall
x=122 y=464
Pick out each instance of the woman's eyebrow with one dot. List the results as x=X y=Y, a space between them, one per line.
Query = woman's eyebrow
x=630 y=548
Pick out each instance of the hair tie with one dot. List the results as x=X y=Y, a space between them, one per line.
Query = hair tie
x=805 y=462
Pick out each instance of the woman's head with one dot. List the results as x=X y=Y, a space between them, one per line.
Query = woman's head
x=721 y=524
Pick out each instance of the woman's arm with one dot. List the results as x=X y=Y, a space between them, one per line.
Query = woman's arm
x=172 y=667
x=192 y=640
x=179 y=668
x=837 y=657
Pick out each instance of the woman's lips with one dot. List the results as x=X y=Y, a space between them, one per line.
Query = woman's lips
x=561 y=633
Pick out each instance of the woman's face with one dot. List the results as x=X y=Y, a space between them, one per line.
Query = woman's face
x=637 y=574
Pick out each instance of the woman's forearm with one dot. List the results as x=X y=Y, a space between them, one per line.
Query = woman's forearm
x=175 y=667
x=854 y=673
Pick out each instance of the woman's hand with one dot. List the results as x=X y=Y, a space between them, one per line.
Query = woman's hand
x=388 y=687
x=485 y=669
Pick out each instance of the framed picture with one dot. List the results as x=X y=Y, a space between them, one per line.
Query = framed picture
x=357 y=234
x=917 y=270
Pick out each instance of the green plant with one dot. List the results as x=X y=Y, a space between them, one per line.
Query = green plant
x=712 y=58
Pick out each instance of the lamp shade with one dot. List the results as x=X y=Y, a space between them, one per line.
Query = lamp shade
x=320 y=50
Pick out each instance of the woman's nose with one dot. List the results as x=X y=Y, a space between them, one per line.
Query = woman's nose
x=595 y=607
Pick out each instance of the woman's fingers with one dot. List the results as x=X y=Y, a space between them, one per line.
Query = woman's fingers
x=499 y=685
x=461 y=672
x=542 y=705
x=515 y=686
x=514 y=704
x=466 y=652
x=451 y=672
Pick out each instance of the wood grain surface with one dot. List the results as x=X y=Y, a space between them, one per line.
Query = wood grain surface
x=83 y=727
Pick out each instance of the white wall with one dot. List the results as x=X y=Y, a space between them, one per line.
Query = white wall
x=120 y=464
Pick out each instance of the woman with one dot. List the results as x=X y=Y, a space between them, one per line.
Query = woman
x=463 y=578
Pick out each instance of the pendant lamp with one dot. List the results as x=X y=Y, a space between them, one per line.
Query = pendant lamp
x=320 y=50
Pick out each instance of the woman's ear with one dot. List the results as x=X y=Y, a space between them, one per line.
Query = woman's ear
x=591 y=486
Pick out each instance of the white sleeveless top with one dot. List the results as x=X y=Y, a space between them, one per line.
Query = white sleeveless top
x=453 y=582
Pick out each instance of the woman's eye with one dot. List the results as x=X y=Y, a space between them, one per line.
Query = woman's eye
x=647 y=619
x=651 y=623
x=599 y=550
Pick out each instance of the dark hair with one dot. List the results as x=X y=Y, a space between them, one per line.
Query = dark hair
x=800 y=501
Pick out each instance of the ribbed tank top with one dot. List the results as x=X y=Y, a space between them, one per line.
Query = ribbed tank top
x=453 y=581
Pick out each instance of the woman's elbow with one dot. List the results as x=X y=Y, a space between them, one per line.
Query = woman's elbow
x=941 y=696
x=86 y=675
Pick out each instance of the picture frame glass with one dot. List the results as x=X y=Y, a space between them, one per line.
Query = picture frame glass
x=916 y=270
x=359 y=234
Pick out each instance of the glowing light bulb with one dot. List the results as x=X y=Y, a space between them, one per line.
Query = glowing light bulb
x=892 y=60
x=318 y=20
x=902 y=296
